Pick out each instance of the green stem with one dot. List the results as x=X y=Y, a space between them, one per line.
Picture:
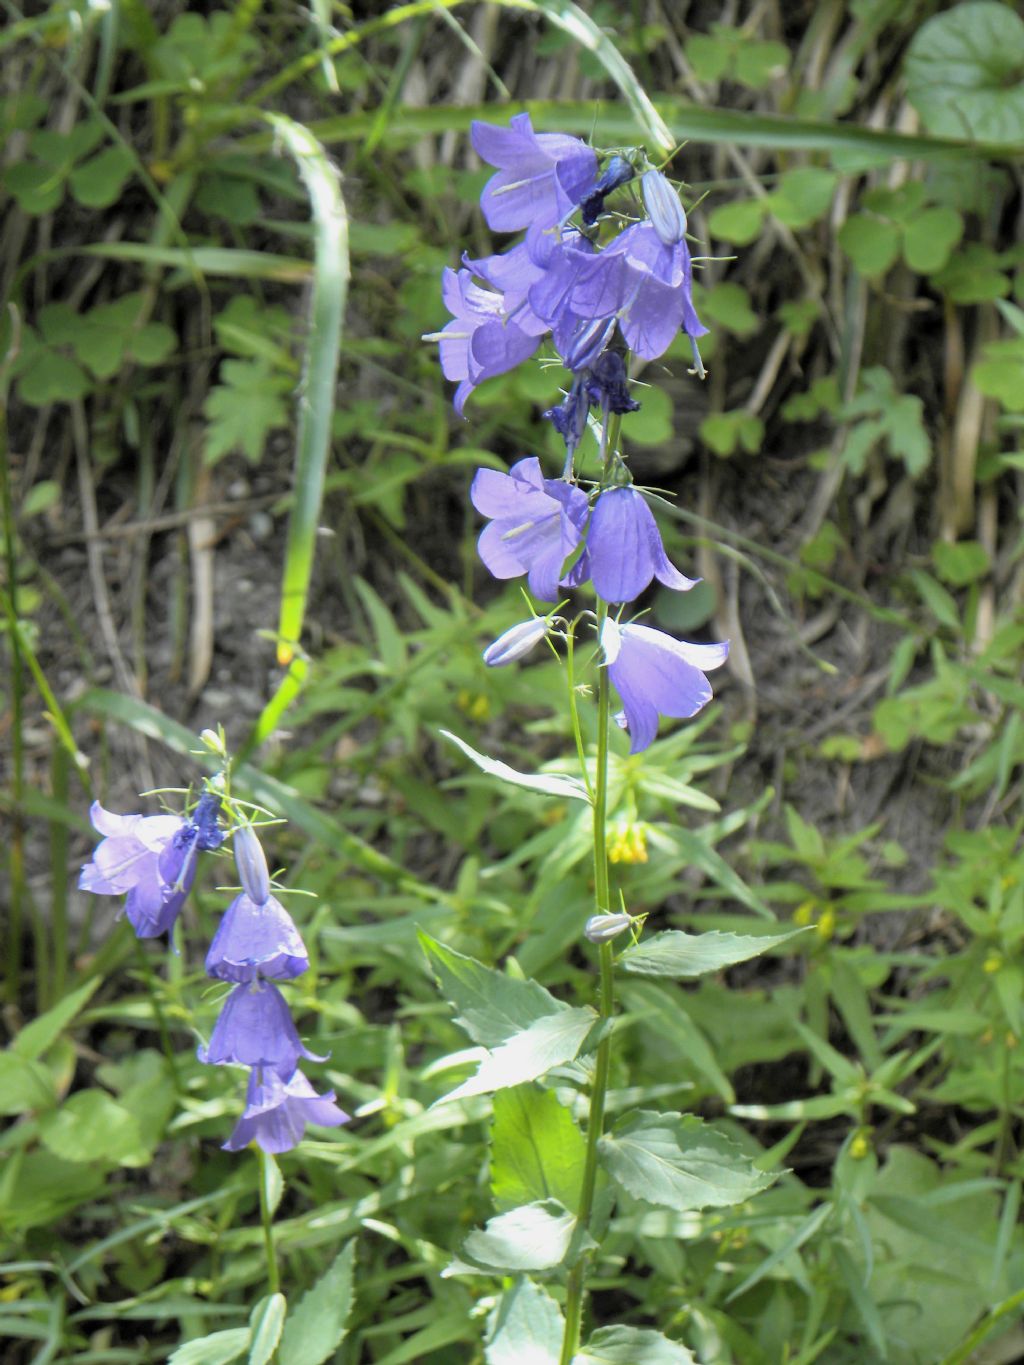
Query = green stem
x=602 y=898
x=267 y=1219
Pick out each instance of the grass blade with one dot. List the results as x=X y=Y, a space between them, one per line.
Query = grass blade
x=327 y=307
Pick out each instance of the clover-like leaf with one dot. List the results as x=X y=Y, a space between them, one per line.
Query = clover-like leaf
x=965 y=72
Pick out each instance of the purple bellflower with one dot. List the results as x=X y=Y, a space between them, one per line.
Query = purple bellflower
x=277 y=1111
x=256 y=940
x=480 y=341
x=656 y=676
x=536 y=524
x=625 y=550
x=617 y=172
x=541 y=176
x=151 y=859
x=255 y=1029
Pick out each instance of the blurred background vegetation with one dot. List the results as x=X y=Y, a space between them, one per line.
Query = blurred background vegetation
x=234 y=489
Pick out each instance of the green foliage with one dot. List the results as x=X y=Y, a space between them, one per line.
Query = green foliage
x=965 y=72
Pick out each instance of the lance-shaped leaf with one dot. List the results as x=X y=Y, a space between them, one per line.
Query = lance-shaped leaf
x=526 y=1056
x=317 y=1325
x=680 y=1162
x=534 y=1237
x=684 y=956
x=489 y=1005
x=548 y=784
x=629 y=1346
x=537 y=1152
x=526 y=1328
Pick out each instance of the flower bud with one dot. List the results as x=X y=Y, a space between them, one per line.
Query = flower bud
x=663 y=208
x=603 y=928
x=252 y=865
x=516 y=642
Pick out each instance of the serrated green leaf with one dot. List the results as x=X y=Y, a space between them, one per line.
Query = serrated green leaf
x=527 y=1328
x=685 y=956
x=219 y=1348
x=537 y=1151
x=965 y=72
x=529 y=1054
x=317 y=1325
x=534 y=1237
x=489 y=1005
x=265 y=1323
x=679 y=1162
x=632 y=1346
x=547 y=784
x=243 y=409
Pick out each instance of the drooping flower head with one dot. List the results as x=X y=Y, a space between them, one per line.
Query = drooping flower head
x=656 y=676
x=535 y=525
x=254 y=1028
x=150 y=859
x=277 y=1111
x=625 y=549
x=256 y=940
x=480 y=341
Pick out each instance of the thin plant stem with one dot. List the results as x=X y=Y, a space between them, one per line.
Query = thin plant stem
x=16 y=841
x=574 y=710
x=267 y=1220
x=595 y=1124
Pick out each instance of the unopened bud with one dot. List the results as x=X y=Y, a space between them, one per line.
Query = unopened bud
x=663 y=208
x=516 y=642
x=252 y=865
x=603 y=928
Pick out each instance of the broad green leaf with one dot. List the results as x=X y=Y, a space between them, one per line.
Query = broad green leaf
x=526 y=1056
x=680 y=955
x=537 y=1151
x=90 y=1126
x=716 y=869
x=679 y=1162
x=803 y=196
x=999 y=374
x=98 y=182
x=25 y=1085
x=871 y=243
x=219 y=1348
x=961 y=563
x=632 y=1346
x=728 y=304
x=36 y=1037
x=929 y=238
x=965 y=72
x=52 y=378
x=738 y=223
x=526 y=1328
x=265 y=1324
x=317 y=1325
x=548 y=784
x=534 y=1237
x=489 y=1005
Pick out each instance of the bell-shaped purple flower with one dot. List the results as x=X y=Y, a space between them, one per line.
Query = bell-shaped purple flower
x=256 y=940
x=656 y=676
x=255 y=1029
x=480 y=341
x=277 y=1111
x=625 y=549
x=541 y=176
x=516 y=642
x=607 y=384
x=645 y=283
x=536 y=524
x=151 y=860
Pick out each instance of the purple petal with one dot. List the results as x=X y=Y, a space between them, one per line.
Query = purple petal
x=255 y=1029
x=251 y=862
x=619 y=545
